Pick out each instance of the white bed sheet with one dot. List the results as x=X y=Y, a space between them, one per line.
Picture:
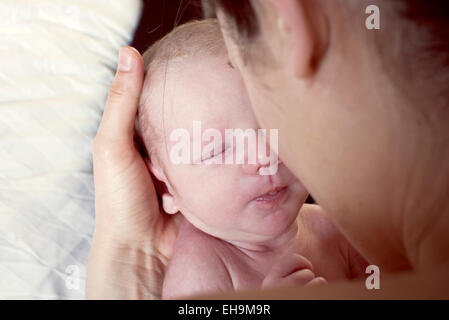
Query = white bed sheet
x=57 y=60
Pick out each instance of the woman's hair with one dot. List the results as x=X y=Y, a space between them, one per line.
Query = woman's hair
x=431 y=15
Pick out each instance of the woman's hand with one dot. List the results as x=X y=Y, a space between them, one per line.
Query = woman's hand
x=133 y=239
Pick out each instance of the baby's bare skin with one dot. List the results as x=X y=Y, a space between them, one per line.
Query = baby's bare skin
x=202 y=263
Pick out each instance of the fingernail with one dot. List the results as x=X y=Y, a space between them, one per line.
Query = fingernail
x=124 y=60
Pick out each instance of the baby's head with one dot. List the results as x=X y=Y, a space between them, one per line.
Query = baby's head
x=189 y=82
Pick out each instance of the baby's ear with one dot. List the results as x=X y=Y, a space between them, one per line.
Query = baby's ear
x=161 y=184
x=168 y=204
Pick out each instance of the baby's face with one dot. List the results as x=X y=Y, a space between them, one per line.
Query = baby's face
x=230 y=201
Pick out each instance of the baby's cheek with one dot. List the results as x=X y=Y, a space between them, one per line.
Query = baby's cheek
x=215 y=193
x=223 y=208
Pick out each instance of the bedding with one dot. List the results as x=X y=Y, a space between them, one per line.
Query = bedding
x=57 y=60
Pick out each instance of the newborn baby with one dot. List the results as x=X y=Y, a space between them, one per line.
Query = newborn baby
x=240 y=229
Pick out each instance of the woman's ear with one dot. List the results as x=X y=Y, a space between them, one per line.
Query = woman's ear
x=303 y=27
x=162 y=186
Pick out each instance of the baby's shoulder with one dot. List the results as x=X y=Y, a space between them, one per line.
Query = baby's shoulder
x=196 y=266
x=196 y=250
x=192 y=241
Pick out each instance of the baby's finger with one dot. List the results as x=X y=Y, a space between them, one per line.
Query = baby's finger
x=301 y=277
x=290 y=264
x=318 y=281
x=124 y=94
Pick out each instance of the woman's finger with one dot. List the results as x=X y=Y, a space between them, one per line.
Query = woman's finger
x=123 y=99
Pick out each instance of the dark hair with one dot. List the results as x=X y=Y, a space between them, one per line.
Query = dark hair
x=431 y=15
x=241 y=13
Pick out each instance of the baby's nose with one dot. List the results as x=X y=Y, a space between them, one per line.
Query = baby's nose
x=251 y=169
x=263 y=161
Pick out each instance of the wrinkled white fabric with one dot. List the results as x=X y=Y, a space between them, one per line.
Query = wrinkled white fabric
x=57 y=60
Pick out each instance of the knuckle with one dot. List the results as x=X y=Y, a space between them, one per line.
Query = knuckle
x=116 y=91
x=319 y=281
x=100 y=149
x=305 y=275
x=104 y=155
x=270 y=280
x=303 y=262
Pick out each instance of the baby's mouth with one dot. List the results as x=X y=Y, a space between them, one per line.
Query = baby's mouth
x=272 y=196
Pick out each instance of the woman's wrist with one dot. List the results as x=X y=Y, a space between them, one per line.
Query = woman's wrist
x=123 y=271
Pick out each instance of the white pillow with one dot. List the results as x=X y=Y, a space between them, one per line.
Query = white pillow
x=57 y=60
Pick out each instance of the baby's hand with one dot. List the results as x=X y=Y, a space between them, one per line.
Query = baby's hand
x=293 y=270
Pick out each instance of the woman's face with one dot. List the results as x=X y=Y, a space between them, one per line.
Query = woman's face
x=336 y=133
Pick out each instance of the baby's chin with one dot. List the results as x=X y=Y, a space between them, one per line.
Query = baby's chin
x=276 y=223
x=269 y=227
x=258 y=228
x=272 y=220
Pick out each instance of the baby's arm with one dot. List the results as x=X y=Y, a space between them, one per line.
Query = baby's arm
x=195 y=267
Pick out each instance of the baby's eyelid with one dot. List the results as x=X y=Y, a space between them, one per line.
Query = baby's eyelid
x=212 y=155
x=222 y=149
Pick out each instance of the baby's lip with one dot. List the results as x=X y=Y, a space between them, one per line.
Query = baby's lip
x=272 y=194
